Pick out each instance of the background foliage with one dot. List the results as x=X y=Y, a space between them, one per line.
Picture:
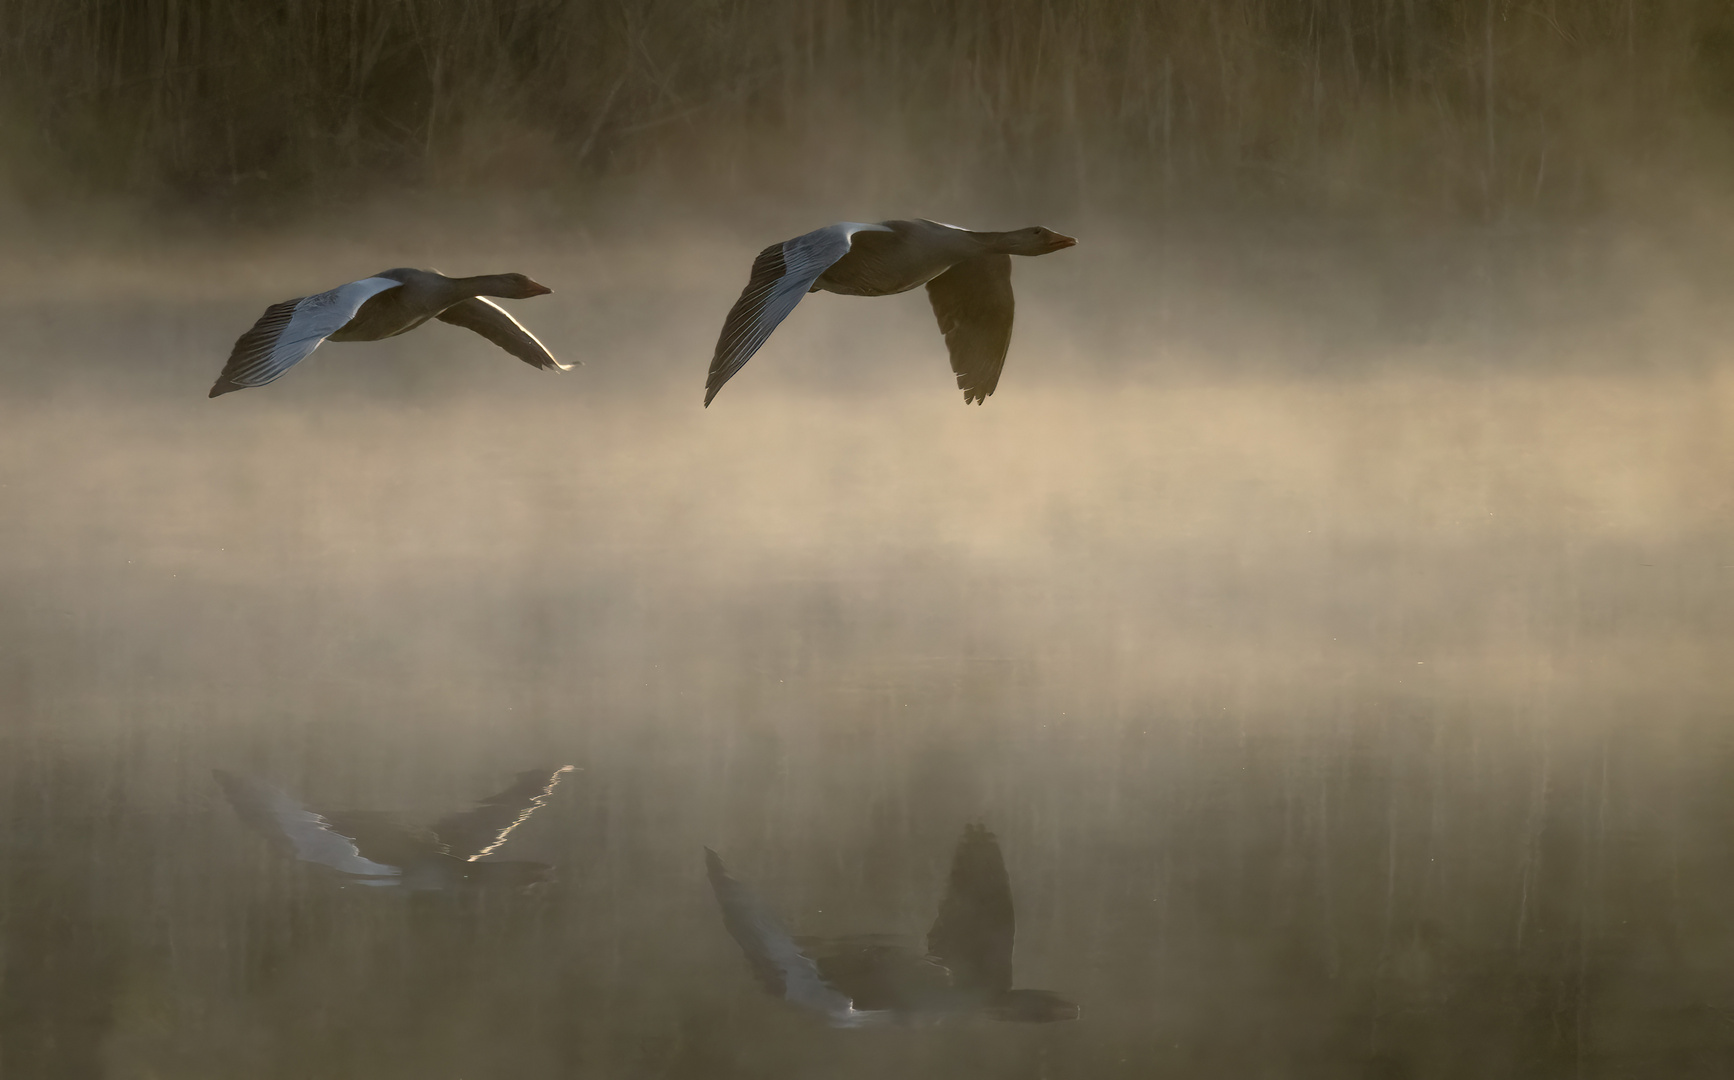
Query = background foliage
x=1483 y=108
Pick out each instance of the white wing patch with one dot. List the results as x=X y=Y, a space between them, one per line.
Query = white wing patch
x=782 y=274
x=309 y=834
x=289 y=332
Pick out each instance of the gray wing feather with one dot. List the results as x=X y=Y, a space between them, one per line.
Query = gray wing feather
x=974 y=305
x=478 y=832
x=776 y=960
x=497 y=325
x=286 y=822
x=289 y=332
x=782 y=274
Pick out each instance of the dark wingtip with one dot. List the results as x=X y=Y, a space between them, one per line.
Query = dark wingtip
x=218 y=389
x=714 y=868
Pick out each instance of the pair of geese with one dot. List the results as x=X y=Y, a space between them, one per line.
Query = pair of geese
x=863 y=981
x=967 y=274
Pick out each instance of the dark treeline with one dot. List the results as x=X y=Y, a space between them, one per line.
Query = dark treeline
x=1466 y=107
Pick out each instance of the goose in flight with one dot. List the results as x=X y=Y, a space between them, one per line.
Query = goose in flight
x=967 y=274
x=387 y=304
x=369 y=848
x=872 y=980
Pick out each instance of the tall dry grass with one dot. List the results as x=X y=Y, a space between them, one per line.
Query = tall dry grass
x=1477 y=107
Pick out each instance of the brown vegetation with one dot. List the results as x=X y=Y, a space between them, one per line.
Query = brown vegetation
x=1484 y=107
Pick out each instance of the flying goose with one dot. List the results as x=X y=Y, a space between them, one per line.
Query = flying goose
x=370 y=849
x=967 y=274
x=387 y=304
x=870 y=980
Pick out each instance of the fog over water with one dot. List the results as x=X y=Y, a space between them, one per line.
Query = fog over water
x=1365 y=715
x=1329 y=612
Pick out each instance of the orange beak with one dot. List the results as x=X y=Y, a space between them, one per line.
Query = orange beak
x=1061 y=242
x=538 y=289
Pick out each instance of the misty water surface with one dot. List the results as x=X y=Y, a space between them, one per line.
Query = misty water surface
x=1334 y=633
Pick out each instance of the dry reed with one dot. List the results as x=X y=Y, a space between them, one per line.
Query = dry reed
x=1477 y=107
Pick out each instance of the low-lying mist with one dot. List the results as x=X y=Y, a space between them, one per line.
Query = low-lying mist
x=1332 y=630
x=1328 y=612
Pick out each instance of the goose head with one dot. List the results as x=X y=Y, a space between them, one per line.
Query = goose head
x=520 y=287
x=1032 y=1007
x=1036 y=240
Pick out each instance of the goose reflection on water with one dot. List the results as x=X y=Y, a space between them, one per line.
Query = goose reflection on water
x=871 y=980
x=370 y=848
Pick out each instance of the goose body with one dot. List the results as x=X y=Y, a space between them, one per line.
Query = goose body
x=389 y=303
x=872 y=980
x=967 y=274
x=368 y=848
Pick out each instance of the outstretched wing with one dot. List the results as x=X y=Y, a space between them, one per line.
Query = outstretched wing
x=973 y=934
x=289 y=824
x=974 y=305
x=497 y=325
x=780 y=965
x=782 y=274
x=289 y=332
x=478 y=832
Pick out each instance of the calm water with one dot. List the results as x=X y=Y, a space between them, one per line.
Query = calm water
x=1343 y=671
